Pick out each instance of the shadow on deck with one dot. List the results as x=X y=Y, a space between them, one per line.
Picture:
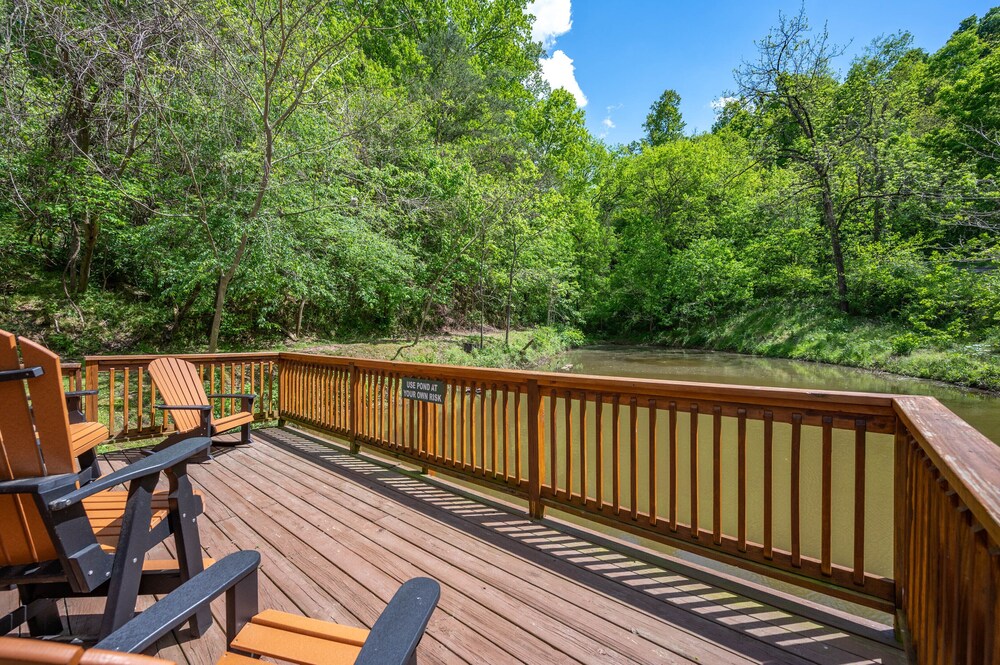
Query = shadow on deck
x=338 y=534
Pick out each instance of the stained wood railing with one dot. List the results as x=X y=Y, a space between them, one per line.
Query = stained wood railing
x=126 y=394
x=645 y=456
x=889 y=501
x=947 y=535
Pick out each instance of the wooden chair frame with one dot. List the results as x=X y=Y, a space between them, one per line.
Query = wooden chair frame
x=81 y=566
x=189 y=384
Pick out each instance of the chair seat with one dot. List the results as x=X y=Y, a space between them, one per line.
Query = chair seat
x=231 y=421
x=297 y=639
x=105 y=510
x=84 y=436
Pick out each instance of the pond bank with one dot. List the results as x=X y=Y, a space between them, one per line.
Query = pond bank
x=834 y=338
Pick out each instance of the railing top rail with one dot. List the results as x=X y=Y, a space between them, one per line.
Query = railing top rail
x=854 y=402
x=145 y=358
x=967 y=460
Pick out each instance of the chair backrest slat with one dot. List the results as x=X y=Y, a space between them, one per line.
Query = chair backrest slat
x=23 y=536
x=48 y=403
x=178 y=383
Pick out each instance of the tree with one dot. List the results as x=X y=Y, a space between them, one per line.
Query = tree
x=664 y=123
x=792 y=89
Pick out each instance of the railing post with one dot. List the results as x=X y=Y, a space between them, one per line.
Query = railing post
x=274 y=374
x=91 y=378
x=899 y=515
x=536 y=456
x=353 y=408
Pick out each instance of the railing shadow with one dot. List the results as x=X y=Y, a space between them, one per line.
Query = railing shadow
x=713 y=613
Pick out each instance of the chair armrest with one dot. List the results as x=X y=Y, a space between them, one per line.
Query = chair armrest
x=79 y=393
x=233 y=395
x=160 y=461
x=39 y=485
x=183 y=602
x=184 y=407
x=20 y=374
x=398 y=630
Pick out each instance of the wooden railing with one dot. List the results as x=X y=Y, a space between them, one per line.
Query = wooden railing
x=890 y=501
x=947 y=535
x=126 y=394
x=619 y=452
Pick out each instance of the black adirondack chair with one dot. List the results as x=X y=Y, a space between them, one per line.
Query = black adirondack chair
x=392 y=640
x=65 y=533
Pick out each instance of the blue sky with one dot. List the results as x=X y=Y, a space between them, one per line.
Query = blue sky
x=617 y=56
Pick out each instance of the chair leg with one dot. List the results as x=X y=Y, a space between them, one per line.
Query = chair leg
x=187 y=541
x=126 y=571
x=245 y=437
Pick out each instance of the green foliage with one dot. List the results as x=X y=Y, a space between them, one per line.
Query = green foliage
x=398 y=167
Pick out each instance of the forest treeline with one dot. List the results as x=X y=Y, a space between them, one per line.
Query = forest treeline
x=220 y=174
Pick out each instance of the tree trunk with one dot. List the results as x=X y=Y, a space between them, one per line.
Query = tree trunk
x=91 y=231
x=298 y=319
x=220 y=295
x=180 y=313
x=830 y=219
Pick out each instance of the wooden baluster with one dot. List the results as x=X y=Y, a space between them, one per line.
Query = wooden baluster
x=741 y=478
x=717 y=474
x=517 y=434
x=826 y=545
x=672 y=452
x=138 y=398
x=694 y=472
x=553 y=443
x=768 y=485
x=232 y=388
x=126 y=411
x=111 y=403
x=423 y=446
x=568 y=414
x=506 y=429
x=633 y=447
x=616 y=456
x=859 y=500
x=412 y=442
x=599 y=450
x=152 y=405
x=652 y=462
x=461 y=434
x=796 y=472
x=493 y=429
x=471 y=459
x=583 y=447
x=454 y=420
x=482 y=427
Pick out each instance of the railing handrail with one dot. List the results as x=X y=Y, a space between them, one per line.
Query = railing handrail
x=861 y=402
x=969 y=461
x=149 y=357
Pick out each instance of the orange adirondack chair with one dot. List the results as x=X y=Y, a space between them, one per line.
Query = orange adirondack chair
x=64 y=533
x=189 y=406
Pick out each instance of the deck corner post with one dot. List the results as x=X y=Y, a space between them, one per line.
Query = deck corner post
x=900 y=516
x=536 y=459
x=353 y=409
x=92 y=379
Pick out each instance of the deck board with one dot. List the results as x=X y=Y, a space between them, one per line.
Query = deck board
x=338 y=534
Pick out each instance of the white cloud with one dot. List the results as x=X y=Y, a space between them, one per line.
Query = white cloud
x=552 y=18
x=607 y=122
x=558 y=72
x=721 y=102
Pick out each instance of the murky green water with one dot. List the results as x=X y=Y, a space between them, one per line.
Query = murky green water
x=981 y=410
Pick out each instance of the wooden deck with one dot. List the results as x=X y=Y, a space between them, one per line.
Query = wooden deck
x=338 y=534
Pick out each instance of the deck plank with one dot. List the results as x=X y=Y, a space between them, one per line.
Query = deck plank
x=338 y=534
